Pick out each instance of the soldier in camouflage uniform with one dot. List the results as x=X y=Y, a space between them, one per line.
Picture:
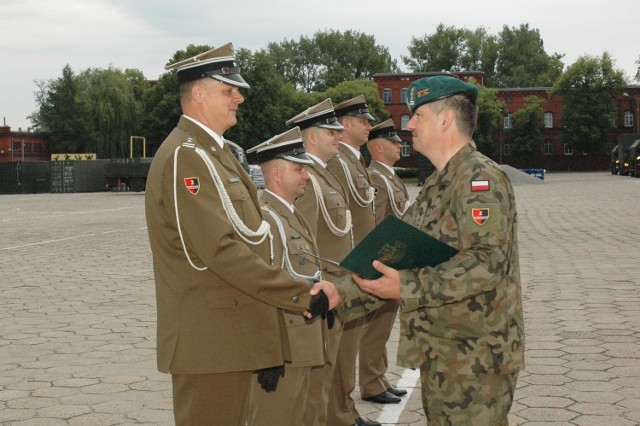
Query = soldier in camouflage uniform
x=461 y=322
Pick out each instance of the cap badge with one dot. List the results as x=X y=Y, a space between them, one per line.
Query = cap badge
x=422 y=92
x=192 y=184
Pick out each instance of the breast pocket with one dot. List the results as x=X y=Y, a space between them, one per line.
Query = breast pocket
x=239 y=196
x=336 y=207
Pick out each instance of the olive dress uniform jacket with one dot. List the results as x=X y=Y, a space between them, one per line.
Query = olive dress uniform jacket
x=464 y=315
x=357 y=184
x=396 y=193
x=335 y=200
x=219 y=314
x=305 y=338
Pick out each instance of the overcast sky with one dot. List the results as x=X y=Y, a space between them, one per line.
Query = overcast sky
x=39 y=37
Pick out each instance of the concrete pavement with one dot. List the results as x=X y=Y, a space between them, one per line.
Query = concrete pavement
x=77 y=316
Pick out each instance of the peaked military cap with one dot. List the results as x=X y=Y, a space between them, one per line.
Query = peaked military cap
x=385 y=130
x=319 y=115
x=354 y=107
x=287 y=146
x=430 y=89
x=216 y=63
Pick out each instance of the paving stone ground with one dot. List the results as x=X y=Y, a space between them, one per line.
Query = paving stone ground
x=77 y=315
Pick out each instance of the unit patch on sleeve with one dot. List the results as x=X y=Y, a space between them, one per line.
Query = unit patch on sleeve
x=480 y=216
x=479 y=185
x=192 y=184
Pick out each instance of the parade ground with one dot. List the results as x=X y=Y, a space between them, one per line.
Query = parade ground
x=77 y=309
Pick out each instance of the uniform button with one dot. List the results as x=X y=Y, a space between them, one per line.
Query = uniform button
x=296 y=299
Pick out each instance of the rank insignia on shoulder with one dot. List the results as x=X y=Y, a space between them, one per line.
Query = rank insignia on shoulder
x=192 y=184
x=233 y=180
x=479 y=185
x=480 y=216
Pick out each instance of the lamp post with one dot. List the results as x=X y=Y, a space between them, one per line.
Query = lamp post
x=637 y=114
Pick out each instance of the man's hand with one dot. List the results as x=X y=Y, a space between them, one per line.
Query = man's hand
x=319 y=305
x=330 y=290
x=385 y=287
x=268 y=377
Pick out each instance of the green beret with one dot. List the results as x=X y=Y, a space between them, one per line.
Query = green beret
x=431 y=89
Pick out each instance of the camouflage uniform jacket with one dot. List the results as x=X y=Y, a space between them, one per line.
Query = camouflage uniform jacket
x=465 y=315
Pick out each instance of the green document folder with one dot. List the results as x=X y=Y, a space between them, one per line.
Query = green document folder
x=398 y=245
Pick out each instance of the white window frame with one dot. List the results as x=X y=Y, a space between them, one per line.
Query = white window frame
x=404 y=121
x=506 y=149
x=548 y=147
x=406 y=149
x=403 y=95
x=508 y=121
x=628 y=118
x=548 y=120
x=387 y=95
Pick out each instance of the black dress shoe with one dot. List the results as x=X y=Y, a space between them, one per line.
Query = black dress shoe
x=396 y=391
x=383 y=398
x=366 y=422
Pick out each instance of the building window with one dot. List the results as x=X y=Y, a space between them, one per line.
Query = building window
x=403 y=95
x=628 y=119
x=507 y=121
x=404 y=121
x=16 y=146
x=507 y=149
x=406 y=149
x=548 y=147
x=386 y=95
x=568 y=149
x=548 y=120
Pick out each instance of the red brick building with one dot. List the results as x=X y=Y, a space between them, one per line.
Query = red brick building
x=552 y=155
x=23 y=146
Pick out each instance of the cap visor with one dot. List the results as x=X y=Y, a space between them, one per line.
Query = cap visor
x=299 y=159
x=395 y=138
x=232 y=80
x=335 y=126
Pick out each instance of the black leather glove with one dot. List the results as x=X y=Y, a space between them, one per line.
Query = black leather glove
x=331 y=318
x=319 y=305
x=268 y=377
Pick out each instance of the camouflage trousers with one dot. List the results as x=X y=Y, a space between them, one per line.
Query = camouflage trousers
x=451 y=399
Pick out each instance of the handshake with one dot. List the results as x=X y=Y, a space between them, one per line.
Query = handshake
x=324 y=297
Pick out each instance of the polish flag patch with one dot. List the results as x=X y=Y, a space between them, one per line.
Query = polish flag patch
x=192 y=184
x=479 y=185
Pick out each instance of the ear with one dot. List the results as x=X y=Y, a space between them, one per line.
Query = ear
x=197 y=93
x=446 y=118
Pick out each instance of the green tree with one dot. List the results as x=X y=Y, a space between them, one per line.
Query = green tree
x=526 y=133
x=328 y=58
x=588 y=88
x=637 y=76
x=522 y=60
x=112 y=110
x=268 y=104
x=440 y=51
x=490 y=114
x=61 y=113
x=352 y=88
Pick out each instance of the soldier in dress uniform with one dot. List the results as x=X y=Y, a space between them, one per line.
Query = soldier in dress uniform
x=461 y=322
x=350 y=168
x=391 y=199
x=283 y=160
x=218 y=296
x=324 y=205
x=385 y=147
